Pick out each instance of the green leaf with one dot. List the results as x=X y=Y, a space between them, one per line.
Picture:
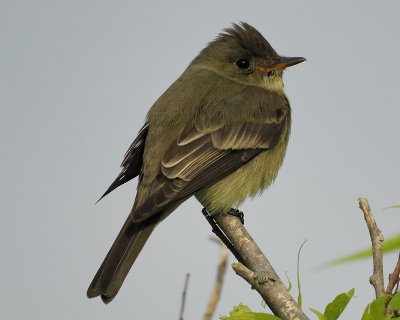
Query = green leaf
x=366 y=314
x=251 y=316
x=376 y=309
x=392 y=207
x=300 y=296
x=395 y=302
x=334 y=309
x=289 y=283
x=242 y=312
x=318 y=314
x=240 y=308
x=389 y=245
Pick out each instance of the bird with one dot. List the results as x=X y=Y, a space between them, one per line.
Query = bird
x=218 y=133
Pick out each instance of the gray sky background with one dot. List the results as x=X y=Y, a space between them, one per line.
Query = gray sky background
x=76 y=81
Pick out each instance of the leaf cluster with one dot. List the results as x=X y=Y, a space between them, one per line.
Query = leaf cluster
x=386 y=307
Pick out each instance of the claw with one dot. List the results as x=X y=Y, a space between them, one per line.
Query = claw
x=237 y=213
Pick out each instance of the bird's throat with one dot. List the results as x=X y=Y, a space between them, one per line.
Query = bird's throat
x=273 y=83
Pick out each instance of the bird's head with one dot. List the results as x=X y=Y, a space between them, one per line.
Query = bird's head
x=242 y=54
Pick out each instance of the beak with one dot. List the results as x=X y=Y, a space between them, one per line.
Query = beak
x=281 y=63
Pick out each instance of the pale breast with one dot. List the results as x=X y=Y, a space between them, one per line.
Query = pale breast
x=247 y=181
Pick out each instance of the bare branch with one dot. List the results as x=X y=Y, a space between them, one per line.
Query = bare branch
x=377 y=240
x=184 y=292
x=394 y=278
x=257 y=270
x=216 y=293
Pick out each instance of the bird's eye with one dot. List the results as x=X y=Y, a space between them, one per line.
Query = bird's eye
x=243 y=63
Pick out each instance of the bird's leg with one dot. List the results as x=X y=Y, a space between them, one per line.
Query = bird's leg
x=261 y=276
x=237 y=213
x=219 y=233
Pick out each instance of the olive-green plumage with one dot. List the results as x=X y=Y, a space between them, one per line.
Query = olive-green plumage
x=219 y=132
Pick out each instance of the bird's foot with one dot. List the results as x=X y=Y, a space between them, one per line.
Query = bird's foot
x=237 y=213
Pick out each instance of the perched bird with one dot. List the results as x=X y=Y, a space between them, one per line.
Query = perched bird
x=219 y=132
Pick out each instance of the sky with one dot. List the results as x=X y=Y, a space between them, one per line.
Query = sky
x=76 y=81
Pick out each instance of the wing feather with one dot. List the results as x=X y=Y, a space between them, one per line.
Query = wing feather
x=132 y=163
x=192 y=163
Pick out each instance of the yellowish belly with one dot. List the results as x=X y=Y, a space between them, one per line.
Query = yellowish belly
x=247 y=181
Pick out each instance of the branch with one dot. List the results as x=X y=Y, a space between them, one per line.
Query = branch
x=216 y=293
x=377 y=240
x=394 y=278
x=184 y=292
x=257 y=270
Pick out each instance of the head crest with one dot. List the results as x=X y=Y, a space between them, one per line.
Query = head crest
x=247 y=36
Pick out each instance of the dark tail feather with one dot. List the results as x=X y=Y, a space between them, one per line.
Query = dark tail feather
x=119 y=260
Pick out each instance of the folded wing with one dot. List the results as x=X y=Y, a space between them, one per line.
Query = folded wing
x=206 y=151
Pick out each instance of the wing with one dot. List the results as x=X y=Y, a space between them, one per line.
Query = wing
x=205 y=151
x=132 y=163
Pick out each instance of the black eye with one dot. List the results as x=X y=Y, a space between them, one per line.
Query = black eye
x=243 y=63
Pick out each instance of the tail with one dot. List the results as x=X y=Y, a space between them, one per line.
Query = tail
x=119 y=260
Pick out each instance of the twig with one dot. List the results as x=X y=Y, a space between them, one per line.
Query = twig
x=377 y=240
x=216 y=293
x=257 y=270
x=394 y=278
x=184 y=292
